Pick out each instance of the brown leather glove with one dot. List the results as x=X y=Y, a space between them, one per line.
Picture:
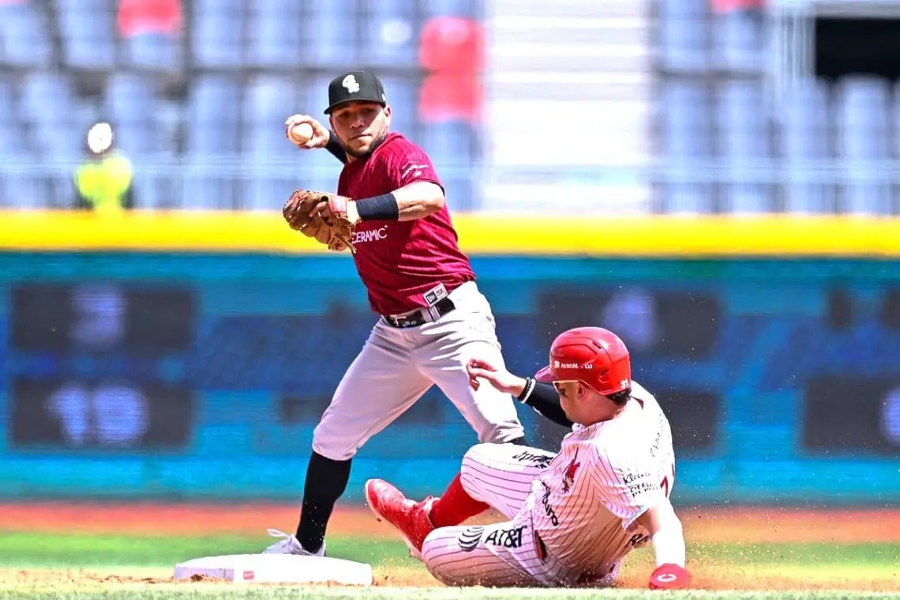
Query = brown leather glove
x=335 y=231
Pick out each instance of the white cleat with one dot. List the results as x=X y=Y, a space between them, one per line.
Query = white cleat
x=290 y=545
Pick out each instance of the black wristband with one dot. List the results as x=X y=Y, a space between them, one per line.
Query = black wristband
x=526 y=391
x=378 y=208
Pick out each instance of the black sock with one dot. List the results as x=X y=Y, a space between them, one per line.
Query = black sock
x=519 y=441
x=326 y=481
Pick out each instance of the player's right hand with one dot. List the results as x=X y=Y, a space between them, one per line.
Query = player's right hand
x=497 y=376
x=670 y=577
x=320 y=134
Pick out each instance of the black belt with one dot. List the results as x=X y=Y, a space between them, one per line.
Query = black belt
x=414 y=319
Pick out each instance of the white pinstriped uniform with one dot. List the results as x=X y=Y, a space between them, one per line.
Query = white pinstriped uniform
x=571 y=515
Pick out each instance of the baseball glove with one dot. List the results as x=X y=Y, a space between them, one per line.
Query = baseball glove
x=335 y=231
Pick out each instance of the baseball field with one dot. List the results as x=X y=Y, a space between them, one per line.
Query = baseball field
x=66 y=550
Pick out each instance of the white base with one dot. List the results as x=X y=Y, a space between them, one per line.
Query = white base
x=277 y=568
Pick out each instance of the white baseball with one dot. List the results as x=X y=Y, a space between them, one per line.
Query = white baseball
x=300 y=133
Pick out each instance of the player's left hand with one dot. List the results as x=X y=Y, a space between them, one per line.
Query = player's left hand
x=337 y=206
x=670 y=577
x=299 y=213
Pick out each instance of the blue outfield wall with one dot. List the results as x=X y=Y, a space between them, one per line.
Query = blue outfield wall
x=197 y=376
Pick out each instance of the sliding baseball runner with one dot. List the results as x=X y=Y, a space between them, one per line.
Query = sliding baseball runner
x=573 y=516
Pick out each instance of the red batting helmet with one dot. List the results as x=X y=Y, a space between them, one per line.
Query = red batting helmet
x=594 y=356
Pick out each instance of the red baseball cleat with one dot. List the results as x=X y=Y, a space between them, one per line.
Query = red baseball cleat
x=408 y=517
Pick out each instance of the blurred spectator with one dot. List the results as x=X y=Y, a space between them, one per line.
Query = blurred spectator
x=753 y=10
x=103 y=181
x=452 y=52
x=722 y=6
x=138 y=17
x=452 y=44
x=450 y=97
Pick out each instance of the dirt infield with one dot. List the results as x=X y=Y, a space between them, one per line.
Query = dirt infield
x=716 y=578
x=731 y=526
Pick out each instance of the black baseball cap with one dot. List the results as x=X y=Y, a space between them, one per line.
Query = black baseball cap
x=355 y=85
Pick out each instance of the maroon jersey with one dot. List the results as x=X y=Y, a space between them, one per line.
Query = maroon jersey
x=398 y=261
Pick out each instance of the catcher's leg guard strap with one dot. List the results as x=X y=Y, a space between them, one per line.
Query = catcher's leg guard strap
x=326 y=481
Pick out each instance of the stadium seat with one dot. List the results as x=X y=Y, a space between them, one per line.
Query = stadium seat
x=10 y=138
x=738 y=41
x=217 y=28
x=18 y=189
x=687 y=145
x=742 y=119
x=390 y=34
x=686 y=107
x=862 y=110
x=213 y=115
x=805 y=115
x=805 y=123
x=23 y=35
x=316 y=170
x=402 y=95
x=277 y=37
x=453 y=149
x=314 y=96
x=895 y=119
x=460 y=190
x=60 y=146
x=268 y=101
x=132 y=103
x=333 y=28
x=59 y=141
x=744 y=141
x=129 y=96
x=43 y=93
x=7 y=101
x=213 y=123
x=21 y=149
x=683 y=35
x=450 y=143
x=88 y=34
x=154 y=51
x=862 y=107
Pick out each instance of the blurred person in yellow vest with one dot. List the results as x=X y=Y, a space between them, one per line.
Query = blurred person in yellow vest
x=103 y=181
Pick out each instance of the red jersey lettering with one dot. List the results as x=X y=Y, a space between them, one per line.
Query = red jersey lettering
x=399 y=261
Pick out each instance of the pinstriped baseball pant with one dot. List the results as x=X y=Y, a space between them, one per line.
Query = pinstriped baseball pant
x=501 y=554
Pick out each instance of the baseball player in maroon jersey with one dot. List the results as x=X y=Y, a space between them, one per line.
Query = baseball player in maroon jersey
x=572 y=516
x=432 y=317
